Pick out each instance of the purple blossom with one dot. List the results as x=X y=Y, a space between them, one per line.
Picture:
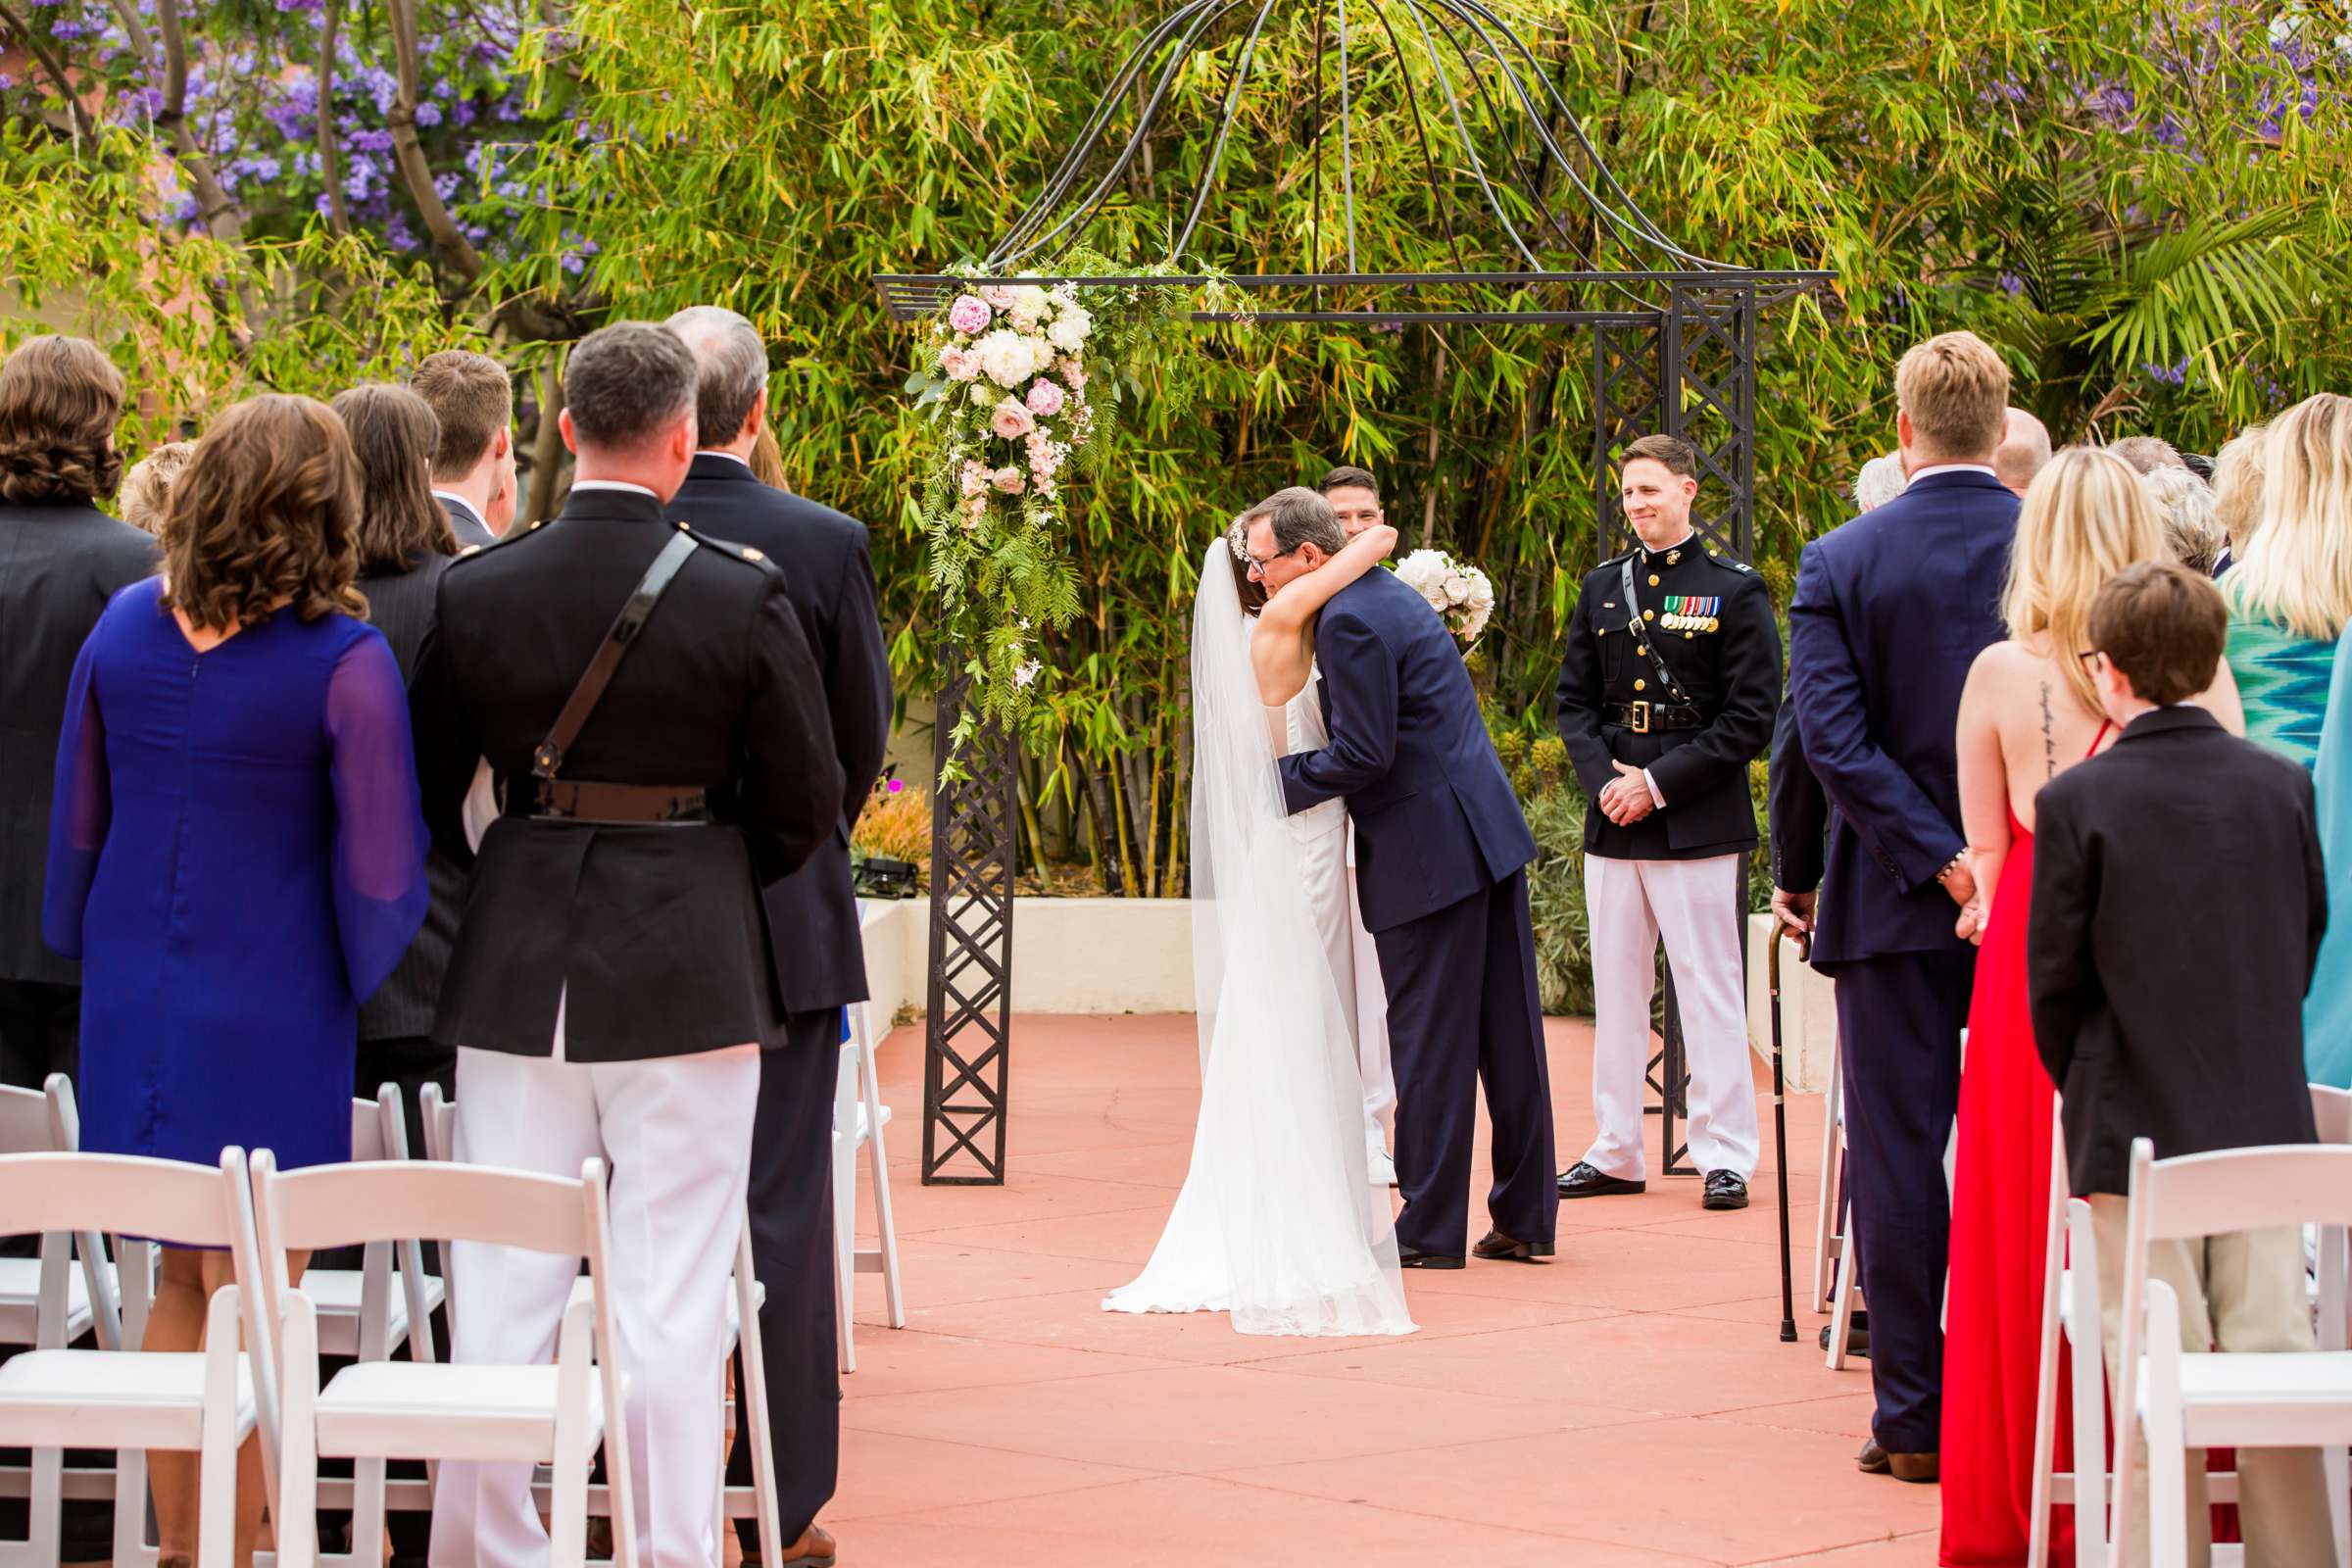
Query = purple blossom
x=2011 y=284
x=66 y=29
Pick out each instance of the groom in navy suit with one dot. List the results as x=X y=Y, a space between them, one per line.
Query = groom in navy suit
x=1441 y=855
x=1890 y=610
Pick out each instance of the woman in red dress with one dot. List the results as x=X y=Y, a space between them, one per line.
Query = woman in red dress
x=2027 y=711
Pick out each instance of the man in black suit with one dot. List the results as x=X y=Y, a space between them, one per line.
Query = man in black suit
x=648 y=704
x=473 y=466
x=1666 y=694
x=2184 y=1026
x=811 y=915
x=60 y=560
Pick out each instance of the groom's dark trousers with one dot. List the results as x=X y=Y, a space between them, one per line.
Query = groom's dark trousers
x=1441 y=851
x=1890 y=610
x=820 y=966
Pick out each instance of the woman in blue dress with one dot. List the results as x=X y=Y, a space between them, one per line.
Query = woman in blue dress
x=236 y=853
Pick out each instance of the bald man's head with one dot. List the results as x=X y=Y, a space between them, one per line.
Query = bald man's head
x=2025 y=447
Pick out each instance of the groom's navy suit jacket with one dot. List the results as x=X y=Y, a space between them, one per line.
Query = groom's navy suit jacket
x=1435 y=817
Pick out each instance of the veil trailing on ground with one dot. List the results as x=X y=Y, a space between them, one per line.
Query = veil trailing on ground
x=1278 y=1222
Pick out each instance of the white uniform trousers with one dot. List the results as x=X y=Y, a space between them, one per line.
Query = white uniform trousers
x=1371 y=1022
x=1695 y=905
x=678 y=1134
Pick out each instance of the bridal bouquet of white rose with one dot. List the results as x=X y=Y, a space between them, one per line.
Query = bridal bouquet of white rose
x=1457 y=590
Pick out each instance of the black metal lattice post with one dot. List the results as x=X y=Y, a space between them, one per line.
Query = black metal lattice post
x=967 y=1028
x=1711 y=358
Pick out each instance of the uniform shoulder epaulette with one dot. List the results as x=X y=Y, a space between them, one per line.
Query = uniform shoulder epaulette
x=1620 y=555
x=1730 y=562
x=511 y=536
x=733 y=551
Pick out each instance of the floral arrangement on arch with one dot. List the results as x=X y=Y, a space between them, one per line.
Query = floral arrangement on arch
x=1021 y=380
x=1460 y=593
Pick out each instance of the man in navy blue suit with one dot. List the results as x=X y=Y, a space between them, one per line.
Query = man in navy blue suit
x=1442 y=853
x=1890 y=611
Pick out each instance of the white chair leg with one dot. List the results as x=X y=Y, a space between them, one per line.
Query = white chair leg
x=1841 y=1317
x=45 y=1507
x=2339 y=1480
x=567 y=1500
x=2090 y=1400
x=844 y=1209
x=751 y=1408
x=216 y=1464
x=2045 y=1381
x=1827 y=1227
x=870 y=1075
x=130 y=1508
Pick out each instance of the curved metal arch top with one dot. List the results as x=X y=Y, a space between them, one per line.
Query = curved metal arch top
x=1464 y=48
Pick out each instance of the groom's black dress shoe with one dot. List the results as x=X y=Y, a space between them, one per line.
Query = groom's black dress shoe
x=1415 y=1257
x=1725 y=1190
x=1495 y=1247
x=1581 y=1180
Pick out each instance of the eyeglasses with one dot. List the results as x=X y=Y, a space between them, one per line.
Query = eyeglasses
x=1257 y=567
x=2090 y=653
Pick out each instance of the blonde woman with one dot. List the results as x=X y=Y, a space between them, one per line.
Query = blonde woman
x=2028 y=712
x=2290 y=593
x=147 y=487
x=2237 y=493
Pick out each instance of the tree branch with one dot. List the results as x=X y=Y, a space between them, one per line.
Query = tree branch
x=456 y=252
x=330 y=160
x=53 y=69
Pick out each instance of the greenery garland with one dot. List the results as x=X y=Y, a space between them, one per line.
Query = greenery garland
x=1017 y=380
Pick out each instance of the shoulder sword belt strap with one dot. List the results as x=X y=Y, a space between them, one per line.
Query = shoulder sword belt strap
x=1647 y=644
x=623 y=802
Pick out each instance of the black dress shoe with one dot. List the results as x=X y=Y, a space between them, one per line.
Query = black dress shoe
x=1916 y=1468
x=1725 y=1190
x=1581 y=1180
x=1415 y=1257
x=1495 y=1246
x=1857 y=1339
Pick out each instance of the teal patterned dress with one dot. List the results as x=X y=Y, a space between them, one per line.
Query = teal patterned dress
x=2328 y=1008
x=2283 y=680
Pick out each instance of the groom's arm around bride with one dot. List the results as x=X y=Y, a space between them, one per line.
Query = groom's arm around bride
x=1442 y=855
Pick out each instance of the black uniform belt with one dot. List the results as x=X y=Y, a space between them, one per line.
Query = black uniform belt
x=1644 y=718
x=579 y=801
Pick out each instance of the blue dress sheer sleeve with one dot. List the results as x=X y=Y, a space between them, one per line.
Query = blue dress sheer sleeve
x=81 y=810
x=379 y=882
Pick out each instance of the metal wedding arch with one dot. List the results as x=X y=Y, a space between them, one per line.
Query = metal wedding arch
x=1674 y=349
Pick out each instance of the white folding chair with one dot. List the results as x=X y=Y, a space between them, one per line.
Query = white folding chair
x=858 y=1117
x=756 y=1501
x=2174 y=1401
x=416 y=1409
x=2070 y=1308
x=359 y=1314
x=202 y=1401
x=2332 y=1289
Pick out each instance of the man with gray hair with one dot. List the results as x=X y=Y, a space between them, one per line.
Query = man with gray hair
x=811 y=915
x=647 y=703
x=1879 y=481
x=2023 y=450
x=1442 y=855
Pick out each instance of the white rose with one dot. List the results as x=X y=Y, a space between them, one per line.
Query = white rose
x=1457 y=590
x=1005 y=358
x=1071 y=329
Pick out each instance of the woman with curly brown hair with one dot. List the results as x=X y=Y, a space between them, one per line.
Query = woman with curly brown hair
x=236 y=852
x=60 y=560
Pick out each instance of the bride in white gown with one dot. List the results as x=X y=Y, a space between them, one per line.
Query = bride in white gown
x=1278 y=1223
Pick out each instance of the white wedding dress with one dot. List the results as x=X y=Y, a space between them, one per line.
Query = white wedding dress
x=1277 y=1223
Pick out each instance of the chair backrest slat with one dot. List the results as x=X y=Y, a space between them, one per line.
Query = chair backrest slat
x=367 y=1130
x=25 y=1122
x=2331 y=1110
x=126 y=1195
x=337 y=1206
x=2248 y=1188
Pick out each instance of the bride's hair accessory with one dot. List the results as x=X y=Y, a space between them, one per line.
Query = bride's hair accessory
x=1236 y=540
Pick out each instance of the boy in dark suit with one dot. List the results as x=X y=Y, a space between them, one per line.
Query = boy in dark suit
x=2182 y=1022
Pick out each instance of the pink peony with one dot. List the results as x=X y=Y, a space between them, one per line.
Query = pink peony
x=1044 y=399
x=1010 y=422
x=970 y=314
x=1007 y=480
x=959 y=364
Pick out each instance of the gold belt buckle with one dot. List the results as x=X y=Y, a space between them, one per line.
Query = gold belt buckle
x=1641 y=717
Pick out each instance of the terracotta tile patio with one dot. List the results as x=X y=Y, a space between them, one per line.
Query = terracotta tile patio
x=1630 y=1404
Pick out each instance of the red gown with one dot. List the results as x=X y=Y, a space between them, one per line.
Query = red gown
x=2000 y=1213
